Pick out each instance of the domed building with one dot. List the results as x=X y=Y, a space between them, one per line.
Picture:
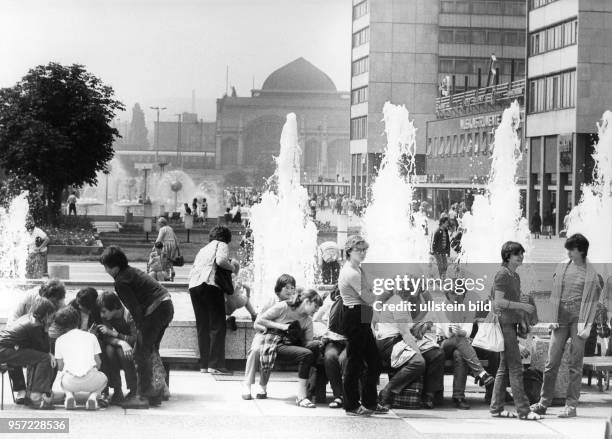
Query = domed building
x=248 y=129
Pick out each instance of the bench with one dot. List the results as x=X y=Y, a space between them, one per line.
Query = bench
x=599 y=365
x=174 y=357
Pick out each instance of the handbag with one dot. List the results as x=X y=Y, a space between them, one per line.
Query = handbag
x=410 y=396
x=336 y=316
x=401 y=354
x=489 y=336
x=179 y=261
x=223 y=277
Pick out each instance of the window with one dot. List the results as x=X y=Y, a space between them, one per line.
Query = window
x=494 y=37
x=534 y=4
x=462 y=36
x=359 y=128
x=552 y=38
x=453 y=35
x=360 y=9
x=446 y=36
x=361 y=37
x=359 y=95
x=553 y=92
x=447 y=147
x=479 y=36
x=447 y=65
x=462 y=66
x=360 y=66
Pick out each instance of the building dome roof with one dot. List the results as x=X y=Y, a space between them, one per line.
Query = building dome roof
x=299 y=75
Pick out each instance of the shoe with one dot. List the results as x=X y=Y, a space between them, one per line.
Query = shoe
x=204 y=370
x=261 y=395
x=568 y=412
x=21 y=397
x=220 y=371
x=305 y=403
x=359 y=411
x=91 y=403
x=155 y=401
x=247 y=396
x=131 y=394
x=427 y=402
x=135 y=403
x=461 y=403
x=69 y=402
x=485 y=380
x=381 y=409
x=44 y=403
x=538 y=408
x=336 y=403
x=231 y=323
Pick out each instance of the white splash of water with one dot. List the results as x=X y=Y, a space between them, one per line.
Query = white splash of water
x=593 y=215
x=285 y=239
x=497 y=216
x=14 y=240
x=387 y=224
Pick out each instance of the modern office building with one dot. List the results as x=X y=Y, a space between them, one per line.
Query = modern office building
x=402 y=50
x=569 y=72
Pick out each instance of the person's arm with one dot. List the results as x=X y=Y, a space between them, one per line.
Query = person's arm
x=222 y=257
x=45 y=241
x=60 y=364
x=127 y=296
x=308 y=332
x=502 y=303
x=161 y=234
x=267 y=318
x=98 y=361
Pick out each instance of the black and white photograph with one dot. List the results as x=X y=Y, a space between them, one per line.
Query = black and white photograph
x=306 y=218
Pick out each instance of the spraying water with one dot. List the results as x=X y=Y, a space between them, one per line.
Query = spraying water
x=387 y=224
x=285 y=237
x=14 y=239
x=592 y=216
x=496 y=216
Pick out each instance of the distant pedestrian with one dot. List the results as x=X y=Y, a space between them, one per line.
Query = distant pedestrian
x=36 y=264
x=549 y=222
x=536 y=224
x=72 y=200
x=168 y=238
x=440 y=246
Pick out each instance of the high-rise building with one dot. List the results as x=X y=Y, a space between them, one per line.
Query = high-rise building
x=403 y=50
x=569 y=70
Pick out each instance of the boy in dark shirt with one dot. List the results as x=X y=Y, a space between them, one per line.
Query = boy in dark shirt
x=151 y=307
x=26 y=343
x=118 y=333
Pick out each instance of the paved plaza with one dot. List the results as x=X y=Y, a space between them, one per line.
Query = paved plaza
x=204 y=407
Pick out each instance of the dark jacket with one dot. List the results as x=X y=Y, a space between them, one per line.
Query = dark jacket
x=139 y=292
x=437 y=244
x=25 y=333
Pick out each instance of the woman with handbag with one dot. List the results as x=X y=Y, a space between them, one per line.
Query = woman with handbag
x=167 y=237
x=209 y=281
x=509 y=308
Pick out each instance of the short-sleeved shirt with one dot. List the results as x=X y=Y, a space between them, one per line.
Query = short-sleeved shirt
x=572 y=283
x=283 y=313
x=389 y=321
x=349 y=284
x=32 y=246
x=77 y=349
x=510 y=284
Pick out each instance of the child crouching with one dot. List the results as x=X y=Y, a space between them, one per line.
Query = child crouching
x=78 y=356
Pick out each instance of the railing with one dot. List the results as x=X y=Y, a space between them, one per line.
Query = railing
x=474 y=100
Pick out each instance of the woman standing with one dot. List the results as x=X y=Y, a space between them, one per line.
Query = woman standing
x=508 y=306
x=36 y=265
x=361 y=346
x=208 y=299
x=167 y=237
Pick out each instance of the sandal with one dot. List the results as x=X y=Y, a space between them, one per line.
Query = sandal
x=336 y=403
x=504 y=414
x=531 y=416
x=304 y=403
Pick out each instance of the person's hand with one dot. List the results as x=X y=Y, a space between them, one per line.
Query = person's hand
x=105 y=330
x=553 y=326
x=284 y=326
x=524 y=351
x=127 y=349
x=53 y=361
x=527 y=307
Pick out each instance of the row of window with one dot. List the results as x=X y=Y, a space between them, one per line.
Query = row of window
x=482 y=36
x=360 y=9
x=359 y=95
x=468 y=66
x=534 y=4
x=552 y=92
x=483 y=7
x=462 y=144
x=361 y=37
x=555 y=37
x=359 y=128
x=360 y=66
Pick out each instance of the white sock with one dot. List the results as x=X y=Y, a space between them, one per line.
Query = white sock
x=21 y=394
x=262 y=389
x=93 y=396
x=483 y=373
x=69 y=395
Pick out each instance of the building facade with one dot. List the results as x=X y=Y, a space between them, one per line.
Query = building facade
x=248 y=129
x=404 y=49
x=569 y=71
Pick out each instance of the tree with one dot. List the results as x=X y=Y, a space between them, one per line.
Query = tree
x=138 y=130
x=55 y=126
x=235 y=178
x=264 y=168
x=11 y=186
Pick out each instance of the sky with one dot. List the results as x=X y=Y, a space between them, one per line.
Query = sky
x=155 y=52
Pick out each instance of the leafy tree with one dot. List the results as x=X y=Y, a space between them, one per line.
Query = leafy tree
x=235 y=178
x=138 y=130
x=54 y=126
x=263 y=170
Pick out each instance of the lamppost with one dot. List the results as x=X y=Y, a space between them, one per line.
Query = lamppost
x=146 y=167
x=158 y=109
x=178 y=139
x=110 y=169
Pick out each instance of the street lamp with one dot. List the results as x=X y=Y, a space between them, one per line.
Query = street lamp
x=178 y=140
x=147 y=218
x=158 y=109
x=146 y=167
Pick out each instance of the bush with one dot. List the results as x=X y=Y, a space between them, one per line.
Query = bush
x=72 y=230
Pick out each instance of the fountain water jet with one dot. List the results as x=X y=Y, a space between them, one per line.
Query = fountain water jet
x=592 y=215
x=14 y=239
x=387 y=224
x=285 y=239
